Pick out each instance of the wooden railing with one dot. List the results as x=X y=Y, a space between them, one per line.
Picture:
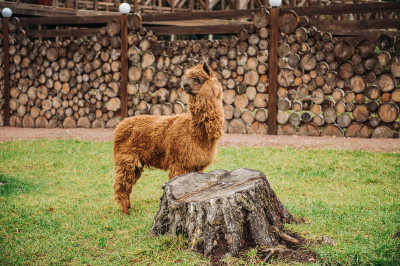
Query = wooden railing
x=36 y=7
x=389 y=11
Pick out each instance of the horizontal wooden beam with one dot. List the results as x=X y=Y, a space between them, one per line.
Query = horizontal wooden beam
x=209 y=29
x=156 y=17
x=333 y=25
x=36 y=10
x=367 y=34
x=301 y=11
x=155 y=21
x=61 y=33
x=68 y=20
x=374 y=7
x=157 y=30
x=226 y=14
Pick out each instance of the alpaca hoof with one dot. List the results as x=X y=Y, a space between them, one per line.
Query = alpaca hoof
x=124 y=202
x=125 y=208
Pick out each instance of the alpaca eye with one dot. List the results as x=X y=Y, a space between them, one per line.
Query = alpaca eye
x=196 y=80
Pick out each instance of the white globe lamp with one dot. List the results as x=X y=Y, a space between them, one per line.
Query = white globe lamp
x=124 y=8
x=275 y=3
x=6 y=12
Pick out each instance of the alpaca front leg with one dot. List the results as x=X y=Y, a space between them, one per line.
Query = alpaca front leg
x=127 y=172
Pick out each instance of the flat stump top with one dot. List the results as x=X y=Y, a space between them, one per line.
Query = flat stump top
x=195 y=187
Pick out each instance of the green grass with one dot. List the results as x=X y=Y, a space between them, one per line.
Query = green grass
x=56 y=204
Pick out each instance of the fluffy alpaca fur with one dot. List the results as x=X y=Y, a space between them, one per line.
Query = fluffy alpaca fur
x=180 y=143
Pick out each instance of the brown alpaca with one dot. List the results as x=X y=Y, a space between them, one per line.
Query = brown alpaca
x=180 y=143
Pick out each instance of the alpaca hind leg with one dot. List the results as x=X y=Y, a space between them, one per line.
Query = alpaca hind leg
x=127 y=172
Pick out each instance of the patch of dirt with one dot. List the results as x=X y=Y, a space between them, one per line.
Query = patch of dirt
x=290 y=252
x=228 y=140
x=284 y=253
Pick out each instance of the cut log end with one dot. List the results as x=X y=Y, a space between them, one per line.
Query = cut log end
x=222 y=212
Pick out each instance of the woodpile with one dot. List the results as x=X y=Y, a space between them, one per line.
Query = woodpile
x=336 y=88
x=326 y=86
x=76 y=83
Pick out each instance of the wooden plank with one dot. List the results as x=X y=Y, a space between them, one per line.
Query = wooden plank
x=374 y=7
x=273 y=72
x=61 y=33
x=225 y=14
x=301 y=11
x=209 y=29
x=124 y=66
x=6 y=62
x=68 y=20
x=333 y=25
x=90 y=4
x=35 y=10
x=161 y=28
x=365 y=34
x=198 y=22
x=165 y=28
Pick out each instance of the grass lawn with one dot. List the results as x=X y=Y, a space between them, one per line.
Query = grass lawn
x=56 y=204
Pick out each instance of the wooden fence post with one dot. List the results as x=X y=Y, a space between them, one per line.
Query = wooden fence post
x=96 y=5
x=124 y=65
x=136 y=6
x=191 y=5
x=273 y=71
x=6 y=60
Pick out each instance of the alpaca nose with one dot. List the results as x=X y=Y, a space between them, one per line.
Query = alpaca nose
x=187 y=87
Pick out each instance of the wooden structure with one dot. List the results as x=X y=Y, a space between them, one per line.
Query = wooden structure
x=326 y=86
x=81 y=7
x=223 y=212
x=81 y=18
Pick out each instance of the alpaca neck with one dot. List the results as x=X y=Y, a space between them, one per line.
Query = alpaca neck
x=207 y=117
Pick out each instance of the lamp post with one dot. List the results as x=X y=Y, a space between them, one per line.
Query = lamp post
x=124 y=9
x=273 y=67
x=6 y=13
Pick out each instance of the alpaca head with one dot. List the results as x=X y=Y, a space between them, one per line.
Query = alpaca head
x=200 y=81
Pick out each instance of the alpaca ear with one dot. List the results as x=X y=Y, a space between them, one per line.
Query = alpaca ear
x=206 y=69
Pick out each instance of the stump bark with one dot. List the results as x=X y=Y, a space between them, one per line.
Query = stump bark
x=222 y=212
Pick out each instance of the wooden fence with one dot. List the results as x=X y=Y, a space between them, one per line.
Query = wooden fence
x=326 y=86
x=327 y=21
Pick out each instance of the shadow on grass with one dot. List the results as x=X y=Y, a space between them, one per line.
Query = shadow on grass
x=11 y=185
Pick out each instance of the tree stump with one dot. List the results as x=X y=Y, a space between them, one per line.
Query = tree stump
x=222 y=212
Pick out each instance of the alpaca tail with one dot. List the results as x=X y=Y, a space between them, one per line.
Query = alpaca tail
x=128 y=170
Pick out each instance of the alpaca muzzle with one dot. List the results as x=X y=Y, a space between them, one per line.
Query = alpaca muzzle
x=187 y=88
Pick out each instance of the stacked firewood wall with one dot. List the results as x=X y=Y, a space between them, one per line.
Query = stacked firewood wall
x=240 y=64
x=326 y=86
x=339 y=88
x=74 y=83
